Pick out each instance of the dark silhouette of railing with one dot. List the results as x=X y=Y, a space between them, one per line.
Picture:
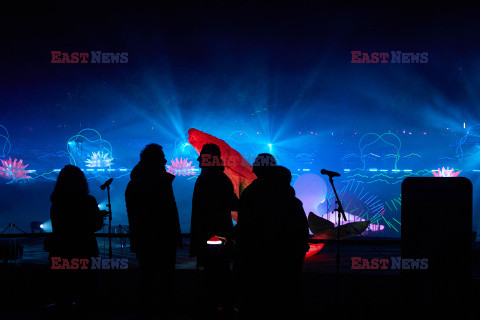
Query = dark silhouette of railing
x=356 y=241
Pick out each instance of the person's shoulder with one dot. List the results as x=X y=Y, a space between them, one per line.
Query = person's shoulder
x=226 y=179
x=201 y=182
x=201 y=178
x=291 y=191
x=166 y=177
x=250 y=189
x=297 y=202
x=91 y=200
x=254 y=184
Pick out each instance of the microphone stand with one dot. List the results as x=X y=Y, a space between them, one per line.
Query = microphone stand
x=109 y=206
x=341 y=214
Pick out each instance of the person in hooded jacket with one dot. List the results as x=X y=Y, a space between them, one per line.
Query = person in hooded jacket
x=272 y=233
x=213 y=201
x=292 y=235
x=154 y=227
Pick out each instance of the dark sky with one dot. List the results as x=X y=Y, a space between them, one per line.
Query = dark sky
x=278 y=68
x=240 y=58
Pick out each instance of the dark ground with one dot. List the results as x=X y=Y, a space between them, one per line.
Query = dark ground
x=26 y=290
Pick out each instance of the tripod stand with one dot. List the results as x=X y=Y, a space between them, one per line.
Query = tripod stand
x=11 y=230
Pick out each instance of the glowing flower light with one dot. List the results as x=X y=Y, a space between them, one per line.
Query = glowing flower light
x=445 y=172
x=333 y=217
x=99 y=160
x=181 y=167
x=13 y=170
x=376 y=227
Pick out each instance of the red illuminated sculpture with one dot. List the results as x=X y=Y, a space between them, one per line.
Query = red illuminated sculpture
x=236 y=167
x=240 y=173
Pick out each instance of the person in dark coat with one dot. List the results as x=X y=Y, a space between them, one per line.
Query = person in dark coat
x=75 y=218
x=213 y=201
x=292 y=234
x=154 y=227
x=292 y=221
x=272 y=235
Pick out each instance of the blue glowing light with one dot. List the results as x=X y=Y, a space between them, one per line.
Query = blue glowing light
x=47 y=226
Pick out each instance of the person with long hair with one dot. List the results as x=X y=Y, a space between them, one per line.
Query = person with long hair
x=75 y=218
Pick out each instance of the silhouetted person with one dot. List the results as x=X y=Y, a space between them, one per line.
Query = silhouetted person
x=75 y=218
x=154 y=227
x=213 y=201
x=272 y=234
x=292 y=244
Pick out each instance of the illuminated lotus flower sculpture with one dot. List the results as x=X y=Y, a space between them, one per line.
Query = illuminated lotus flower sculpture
x=99 y=160
x=333 y=217
x=445 y=172
x=13 y=169
x=181 y=167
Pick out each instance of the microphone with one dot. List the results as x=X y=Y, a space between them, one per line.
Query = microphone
x=330 y=174
x=106 y=184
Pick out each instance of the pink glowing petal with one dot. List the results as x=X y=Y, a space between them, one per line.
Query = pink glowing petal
x=314 y=249
x=13 y=169
x=445 y=172
x=181 y=167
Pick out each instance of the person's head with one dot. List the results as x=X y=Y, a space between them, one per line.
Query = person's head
x=71 y=182
x=263 y=164
x=210 y=156
x=153 y=154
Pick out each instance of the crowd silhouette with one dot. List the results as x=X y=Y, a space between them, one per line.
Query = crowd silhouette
x=239 y=277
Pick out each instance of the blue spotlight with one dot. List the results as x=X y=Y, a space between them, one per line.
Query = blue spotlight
x=46 y=226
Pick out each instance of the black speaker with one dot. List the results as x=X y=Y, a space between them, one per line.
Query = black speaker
x=437 y=231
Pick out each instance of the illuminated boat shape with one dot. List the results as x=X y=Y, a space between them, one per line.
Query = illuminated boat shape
x=326 y=230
